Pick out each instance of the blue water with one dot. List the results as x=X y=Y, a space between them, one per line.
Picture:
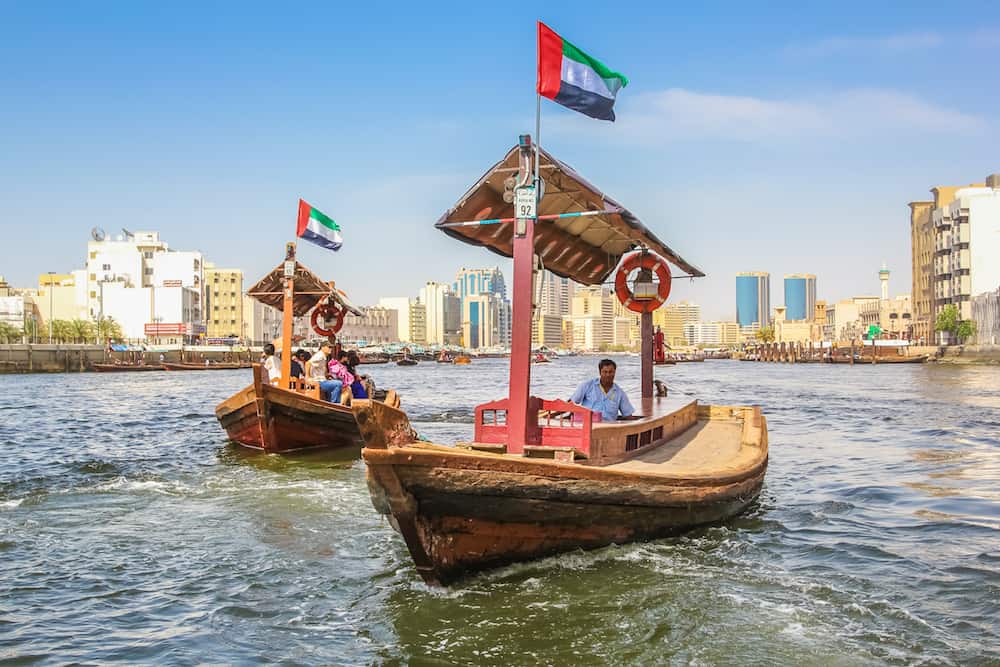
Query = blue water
x=130 y=531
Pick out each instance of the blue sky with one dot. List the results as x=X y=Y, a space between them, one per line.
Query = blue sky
x=783 y=137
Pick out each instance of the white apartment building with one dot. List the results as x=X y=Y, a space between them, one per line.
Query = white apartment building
x=967 y=247
x=401 y=304
x=444 y=314
x=703 y=333
x=136 y=279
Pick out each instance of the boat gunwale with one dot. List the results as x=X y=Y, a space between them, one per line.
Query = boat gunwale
x=420 y=453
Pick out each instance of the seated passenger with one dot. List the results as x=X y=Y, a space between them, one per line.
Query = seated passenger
x=603 y=395
x=329 y=390
x=357 y=387
x=298 y=363
x=338 y=372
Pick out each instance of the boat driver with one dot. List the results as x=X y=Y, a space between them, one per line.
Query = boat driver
x=602 y=395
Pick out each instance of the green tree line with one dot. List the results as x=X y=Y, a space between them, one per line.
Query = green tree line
x=63 y=331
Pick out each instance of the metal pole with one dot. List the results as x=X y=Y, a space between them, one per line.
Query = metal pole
x=538 y=139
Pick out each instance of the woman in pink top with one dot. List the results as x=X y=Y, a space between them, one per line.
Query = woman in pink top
x=338 y=371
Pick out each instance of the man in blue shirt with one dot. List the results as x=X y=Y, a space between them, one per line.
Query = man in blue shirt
x=603 y=395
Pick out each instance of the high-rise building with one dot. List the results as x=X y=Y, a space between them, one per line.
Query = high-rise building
x=592 y=318
x=472 y=282
x=671 y=319
x=223 y=302
x=443 y=311
x=800 y=296
x=481 y=321
x=753 y=299
x=554 y=295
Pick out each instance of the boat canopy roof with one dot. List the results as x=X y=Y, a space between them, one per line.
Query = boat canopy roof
x=309 y=291
x=585 y=249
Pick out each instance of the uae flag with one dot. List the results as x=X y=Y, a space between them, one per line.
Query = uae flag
x=570 y=77
x=316 y=226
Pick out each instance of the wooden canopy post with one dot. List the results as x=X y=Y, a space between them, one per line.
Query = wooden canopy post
x=518 y=428
x=646 y=335
x=287 y=315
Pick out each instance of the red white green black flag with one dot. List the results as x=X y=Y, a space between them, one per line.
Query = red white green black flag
x=575 y=80
x=317 y=227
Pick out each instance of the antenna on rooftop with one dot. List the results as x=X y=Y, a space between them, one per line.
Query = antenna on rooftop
x=128 y=234
x=98 y=234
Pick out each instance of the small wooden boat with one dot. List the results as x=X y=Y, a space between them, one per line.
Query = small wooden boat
x=407 y=361
x=544 y=477
x=540 y=359
x=287 y=414
x=664 y=362
x=462 y=360
x=445 y=358
x=125 y=368
x=222 y=366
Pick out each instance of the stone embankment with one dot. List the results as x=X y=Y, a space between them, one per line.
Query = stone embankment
x=78 y=358
x=960 y=354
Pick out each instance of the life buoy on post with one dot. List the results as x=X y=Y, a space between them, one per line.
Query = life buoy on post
x=642 y=260
x=328 y=312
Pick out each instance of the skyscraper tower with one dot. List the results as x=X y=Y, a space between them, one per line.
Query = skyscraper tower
x=753 y=299
x=800 y=296
x=883 y=276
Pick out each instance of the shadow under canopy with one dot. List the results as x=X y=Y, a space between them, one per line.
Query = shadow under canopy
x=584 y=249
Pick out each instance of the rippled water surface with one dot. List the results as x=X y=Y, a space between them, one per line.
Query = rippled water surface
x=131 y=531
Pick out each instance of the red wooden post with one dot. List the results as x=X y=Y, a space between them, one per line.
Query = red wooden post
x=518 y=428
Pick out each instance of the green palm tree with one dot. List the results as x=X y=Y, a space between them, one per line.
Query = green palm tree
x=81 y=331
x=9 y=333
x=62 y=331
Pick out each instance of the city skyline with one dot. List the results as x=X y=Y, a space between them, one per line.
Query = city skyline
x=737 y=156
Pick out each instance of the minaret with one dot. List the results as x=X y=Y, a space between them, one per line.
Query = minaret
x=883 y=276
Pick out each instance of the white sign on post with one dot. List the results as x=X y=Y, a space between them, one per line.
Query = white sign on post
x=524 y=202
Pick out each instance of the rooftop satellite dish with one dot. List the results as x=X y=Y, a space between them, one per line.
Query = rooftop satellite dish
x=128 y=234
x=98 y=234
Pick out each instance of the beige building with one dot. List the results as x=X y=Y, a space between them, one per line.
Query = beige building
x=843 y=318
x=223 y=302
x=592 y=318
x=795 y=331
x=376 y=326
x=671 y=319
x=60 y=296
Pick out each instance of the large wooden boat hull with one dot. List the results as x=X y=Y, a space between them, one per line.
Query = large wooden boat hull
x=463 y=511
x=204 y=367
x=279 y=421
x=893 y=359
x=124 y=368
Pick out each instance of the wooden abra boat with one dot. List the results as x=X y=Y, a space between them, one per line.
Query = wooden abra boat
x=542 y=477
x=288 y=415
x=462 y=360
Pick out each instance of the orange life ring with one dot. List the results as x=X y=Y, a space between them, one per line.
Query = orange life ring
x=642 y=260
x=328 y=311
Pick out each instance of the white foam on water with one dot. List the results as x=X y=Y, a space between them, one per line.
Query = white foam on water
x=11 y=504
